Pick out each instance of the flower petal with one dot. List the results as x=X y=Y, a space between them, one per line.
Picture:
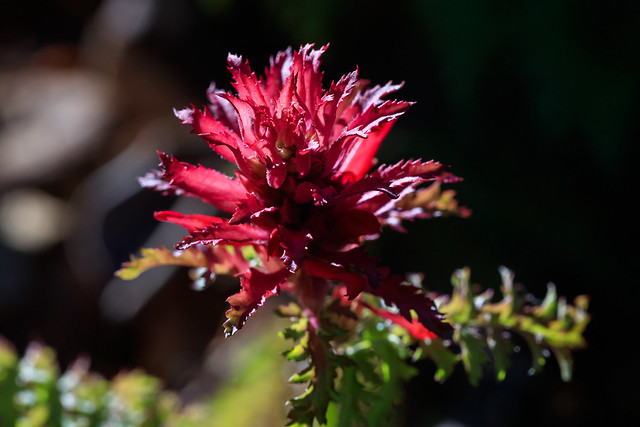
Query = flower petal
x=221 y=109
x=306 y=71
x=246 y=83
x=361 y=154
x=277 y=73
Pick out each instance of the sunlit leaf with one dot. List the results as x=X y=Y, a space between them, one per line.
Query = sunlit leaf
x=474 y=355
x=443 y=357
x=154 y=257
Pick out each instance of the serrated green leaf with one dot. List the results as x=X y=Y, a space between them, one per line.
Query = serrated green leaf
x=501 y=350
x=333 y=331
x=547 y=310
x=155 y=257
x=303 y=376
x=297 y=353
x=351 y=397
x=565 y=361
x=393 y=371
x=444 y=358
x=538 y=359
x=552 y=326
x=473 y=355
x=460 y=307
x=291 y=310
x=291 y=334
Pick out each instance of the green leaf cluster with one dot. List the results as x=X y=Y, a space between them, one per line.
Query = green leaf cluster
x=33 y=392
x=484 y=329
x=360 y=363
x=353 y=377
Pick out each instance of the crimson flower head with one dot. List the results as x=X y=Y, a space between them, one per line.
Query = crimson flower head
x=304 y=197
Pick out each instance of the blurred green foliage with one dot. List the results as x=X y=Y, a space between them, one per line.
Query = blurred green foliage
x=33 y=393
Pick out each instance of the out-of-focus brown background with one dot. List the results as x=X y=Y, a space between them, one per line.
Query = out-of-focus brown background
x=535 y=104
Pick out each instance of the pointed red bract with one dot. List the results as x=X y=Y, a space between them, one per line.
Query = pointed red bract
x=408 y=298
x=304 y=195
x=256 y=288
x=416 y=329
x=180 y=178
x=354 y=282
x=240 y=235
x=192 y=222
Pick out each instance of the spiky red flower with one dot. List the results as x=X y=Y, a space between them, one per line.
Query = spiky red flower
x=302 y=195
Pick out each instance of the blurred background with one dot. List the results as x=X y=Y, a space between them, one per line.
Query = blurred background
x=534 y=104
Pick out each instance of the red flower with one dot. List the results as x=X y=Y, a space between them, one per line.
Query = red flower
x=302 y=195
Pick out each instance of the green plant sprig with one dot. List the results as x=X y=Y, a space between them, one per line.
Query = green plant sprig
x=366 y=360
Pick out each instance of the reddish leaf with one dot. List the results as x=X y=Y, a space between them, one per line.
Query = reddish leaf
x=349 y=154
x=355 y=283
x=306 y=68
x=256 y=288
x=294 y=245
x=414 y=327
x=246 y=121
x=408 y=298
x=331 y=105
x=361 y=155
x=349 y=226
x=357 y=259
x=245 y=208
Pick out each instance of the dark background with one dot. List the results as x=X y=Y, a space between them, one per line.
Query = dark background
x=534 y=104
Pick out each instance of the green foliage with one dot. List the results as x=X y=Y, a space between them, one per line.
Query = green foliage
x=355 y=365
x=360 y=362
x=483 y=328
x=34 y=393
x=349 y=374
